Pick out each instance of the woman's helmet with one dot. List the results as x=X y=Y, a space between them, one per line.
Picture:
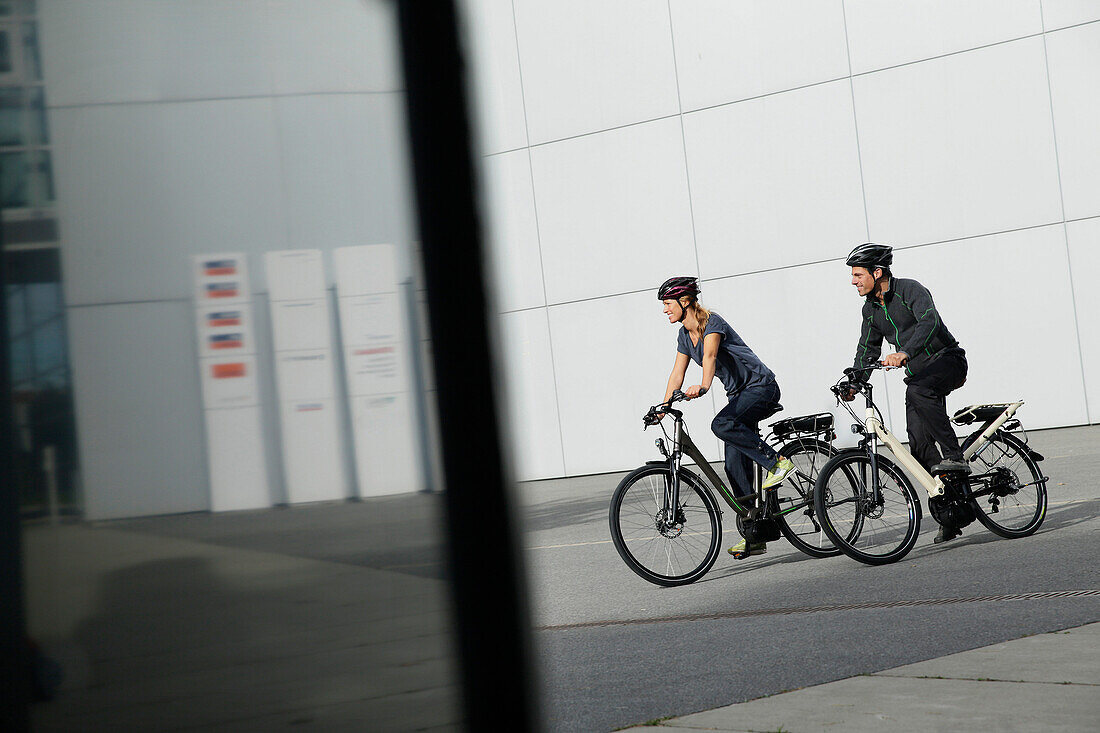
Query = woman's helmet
x=677 y=287
x=871 y=255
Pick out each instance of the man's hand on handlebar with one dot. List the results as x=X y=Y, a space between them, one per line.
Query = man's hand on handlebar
x=697 y=390
x=895 y=360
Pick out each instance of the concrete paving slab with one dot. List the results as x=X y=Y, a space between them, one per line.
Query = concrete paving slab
x=1068 y=657
x=895 y=700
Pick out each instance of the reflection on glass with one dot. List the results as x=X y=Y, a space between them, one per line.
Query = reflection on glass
x=44 y=302
x=22 y=369
x=5 y=51
x=26 y=179
x=14 y=180
x=32 y=69
x=22 y=117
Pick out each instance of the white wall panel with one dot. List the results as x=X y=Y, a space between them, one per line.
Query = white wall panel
x=509 y=210
x=1062 y=13
x=775 y=181
x=958 y=146
x=531 y=413
x=345 y=170
x=138 y=409
x=613 y=211
x=1074 y=58
x=334 y=46
x=1015 y=321
x=1084 y=255
x=490 y=37
x=134 y=50
x=612 y=361
x=592 y=66
x=140 y=188
x=728 y=51
x=884 y=33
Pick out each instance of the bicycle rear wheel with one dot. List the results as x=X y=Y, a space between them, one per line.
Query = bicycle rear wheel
x=795 y=497
x=664 y=553
x=1013 y=502
x=873 y=530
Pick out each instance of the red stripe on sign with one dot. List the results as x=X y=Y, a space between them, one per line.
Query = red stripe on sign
x=228 y=371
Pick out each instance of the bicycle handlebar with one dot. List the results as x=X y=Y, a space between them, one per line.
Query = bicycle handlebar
x=847 y=387
x=657 y=411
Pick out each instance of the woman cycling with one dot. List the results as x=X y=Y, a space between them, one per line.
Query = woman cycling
x=751 y=389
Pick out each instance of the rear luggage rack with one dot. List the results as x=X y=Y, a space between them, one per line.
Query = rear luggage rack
x=807 y=424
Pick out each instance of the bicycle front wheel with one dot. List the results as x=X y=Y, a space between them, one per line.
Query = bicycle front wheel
x=874 y=527
x=665 y=552
x=796 y=514
x=1013 y=500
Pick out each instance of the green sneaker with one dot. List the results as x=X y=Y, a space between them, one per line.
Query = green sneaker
x=781 y=470
x=743 y=550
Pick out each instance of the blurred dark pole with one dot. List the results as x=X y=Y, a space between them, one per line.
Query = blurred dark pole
x=15 y=680
x=486 y=575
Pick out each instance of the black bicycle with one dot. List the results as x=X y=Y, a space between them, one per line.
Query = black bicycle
x=667 y=525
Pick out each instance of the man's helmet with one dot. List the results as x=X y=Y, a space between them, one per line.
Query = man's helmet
x=677 y=287
x=871 y=255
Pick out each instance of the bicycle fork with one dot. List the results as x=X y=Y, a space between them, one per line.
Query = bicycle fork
x=672 y=484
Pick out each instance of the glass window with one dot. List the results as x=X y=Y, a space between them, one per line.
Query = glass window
x=11 y=117
x=21 y=368
x=44 y=301
x=49 y=346
x=17 y=321
x=25 y=179
x=22 y=117
x=17 y=7
x=32 y=69
x=14 y=180
x=6 y=60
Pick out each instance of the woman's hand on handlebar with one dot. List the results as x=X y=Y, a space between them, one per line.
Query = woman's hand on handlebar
x=692 y=392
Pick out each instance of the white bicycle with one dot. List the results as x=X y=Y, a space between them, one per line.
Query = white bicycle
x=869 y=509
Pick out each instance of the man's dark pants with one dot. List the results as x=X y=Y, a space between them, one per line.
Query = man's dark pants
x=738 y=425
x=926 y=408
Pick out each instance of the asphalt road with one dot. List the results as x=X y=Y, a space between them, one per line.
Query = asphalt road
x=614 y=650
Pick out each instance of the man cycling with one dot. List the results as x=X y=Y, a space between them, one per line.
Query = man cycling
x=902 y=311
x=751 y=389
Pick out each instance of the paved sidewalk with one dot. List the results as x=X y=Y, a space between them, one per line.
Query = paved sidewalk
x=1048 y=682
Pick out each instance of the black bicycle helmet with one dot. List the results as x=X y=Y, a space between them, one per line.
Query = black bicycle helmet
x=677 y=287
x=871 y=255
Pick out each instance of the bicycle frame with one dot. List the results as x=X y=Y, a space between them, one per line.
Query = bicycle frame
x=876 y=431
x=682 y=444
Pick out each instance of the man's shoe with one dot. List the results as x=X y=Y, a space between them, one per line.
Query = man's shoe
x=946 y=533
x=951 y=465
x=780 y=471
x=744 y=549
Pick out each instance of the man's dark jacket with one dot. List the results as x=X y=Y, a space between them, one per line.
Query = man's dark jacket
x=909 y=320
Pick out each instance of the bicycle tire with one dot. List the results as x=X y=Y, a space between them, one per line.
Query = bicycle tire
x=800 y=526
x=862 y=530
x=1020 y=505
x=667 y=556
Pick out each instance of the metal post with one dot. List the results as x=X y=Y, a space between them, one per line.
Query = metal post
x=486 y=574
x=14 y=651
